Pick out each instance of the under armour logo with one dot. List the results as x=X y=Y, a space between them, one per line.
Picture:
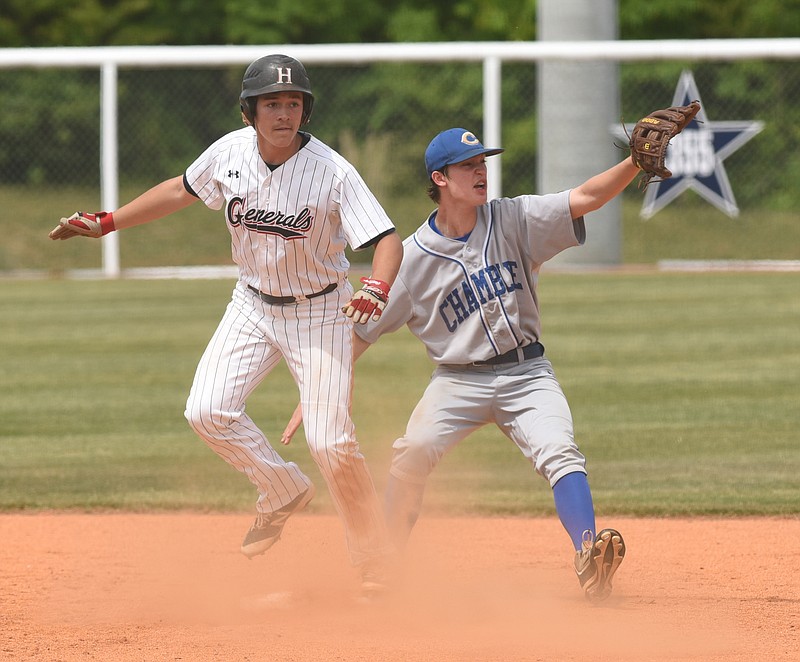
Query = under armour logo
x=233 y=173
x=284 y=75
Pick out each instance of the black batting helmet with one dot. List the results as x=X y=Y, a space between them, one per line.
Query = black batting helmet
x=275 y=73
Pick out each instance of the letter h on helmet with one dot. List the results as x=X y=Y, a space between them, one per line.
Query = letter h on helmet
x=275 y=73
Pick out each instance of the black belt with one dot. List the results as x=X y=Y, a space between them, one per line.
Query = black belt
x=516 y=355
x=280 y=301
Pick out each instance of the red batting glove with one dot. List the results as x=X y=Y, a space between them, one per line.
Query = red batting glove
x=84 y=224
x=368 y=302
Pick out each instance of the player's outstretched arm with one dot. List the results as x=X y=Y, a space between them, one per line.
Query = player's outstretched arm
x=359 y=347
x=161 y=200
x=598 y=190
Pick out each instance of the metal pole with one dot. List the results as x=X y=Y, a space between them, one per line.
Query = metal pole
x=109 y=171
x=492 y=119
x=584 y=94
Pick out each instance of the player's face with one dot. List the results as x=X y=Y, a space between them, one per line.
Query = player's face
x=466 y=181
x=278 y=117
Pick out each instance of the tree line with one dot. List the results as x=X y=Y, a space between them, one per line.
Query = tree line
x=377 y=108
x=37 y=23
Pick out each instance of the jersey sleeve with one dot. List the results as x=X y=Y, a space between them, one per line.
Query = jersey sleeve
x=363 y=218
x=201 y=177
x=549 y=225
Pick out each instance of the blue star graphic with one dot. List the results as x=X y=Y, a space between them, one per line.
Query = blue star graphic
x=695 y=156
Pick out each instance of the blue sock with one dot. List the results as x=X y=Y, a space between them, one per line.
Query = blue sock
x=574 y=506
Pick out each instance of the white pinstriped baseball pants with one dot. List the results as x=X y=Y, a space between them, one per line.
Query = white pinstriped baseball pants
x=315 y=339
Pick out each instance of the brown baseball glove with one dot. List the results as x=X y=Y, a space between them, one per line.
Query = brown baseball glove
x=651 y=135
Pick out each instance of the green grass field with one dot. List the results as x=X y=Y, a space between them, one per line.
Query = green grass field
x=684 y=389
x=688 y=228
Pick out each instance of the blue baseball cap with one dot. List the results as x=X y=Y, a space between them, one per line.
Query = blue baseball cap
x=454 y=146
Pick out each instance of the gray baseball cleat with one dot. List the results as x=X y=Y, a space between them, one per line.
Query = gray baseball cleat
x=597 y=562
x=267 y=528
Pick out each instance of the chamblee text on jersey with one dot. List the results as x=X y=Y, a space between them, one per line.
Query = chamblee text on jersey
x=485 y=285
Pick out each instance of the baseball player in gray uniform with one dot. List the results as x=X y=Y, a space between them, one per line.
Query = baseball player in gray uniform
x=291 y=204
x=467 y=290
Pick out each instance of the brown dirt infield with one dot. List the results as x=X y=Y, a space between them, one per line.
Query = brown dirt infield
x=153 y=587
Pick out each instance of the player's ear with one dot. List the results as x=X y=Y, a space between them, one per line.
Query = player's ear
x=438 y=178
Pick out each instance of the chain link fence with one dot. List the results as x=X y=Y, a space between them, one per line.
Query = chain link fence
x=379 y=115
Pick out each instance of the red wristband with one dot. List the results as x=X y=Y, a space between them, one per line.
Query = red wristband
x=379 y=285
x=106 y=219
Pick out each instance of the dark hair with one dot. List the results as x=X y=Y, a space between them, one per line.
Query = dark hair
x=433 y=191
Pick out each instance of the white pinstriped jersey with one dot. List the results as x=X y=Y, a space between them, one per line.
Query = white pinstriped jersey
x=475 y=299
x=289 y=226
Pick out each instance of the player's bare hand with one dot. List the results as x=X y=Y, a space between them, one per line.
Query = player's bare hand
x=292 y=426
x=368 y=302
x=84 y=224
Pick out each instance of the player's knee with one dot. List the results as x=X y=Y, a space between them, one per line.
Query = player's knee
x=415 y=458
x=207 y=422
x=192 y=414
x=554 y=465
x=336 y=452
x=194 y=422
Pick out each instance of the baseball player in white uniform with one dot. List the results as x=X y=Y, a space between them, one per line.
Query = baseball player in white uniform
x=467 y=290
x=291 y=204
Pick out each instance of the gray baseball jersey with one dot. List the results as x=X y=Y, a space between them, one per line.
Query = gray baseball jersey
x=482 y=291
x=472 y=300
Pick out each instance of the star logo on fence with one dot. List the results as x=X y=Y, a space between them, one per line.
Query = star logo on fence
x=695 y=156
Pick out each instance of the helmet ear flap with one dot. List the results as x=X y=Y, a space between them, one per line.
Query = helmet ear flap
x=308 y=106
x=248 y=108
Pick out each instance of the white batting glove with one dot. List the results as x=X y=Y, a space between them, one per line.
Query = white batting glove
x=85 y=225
x=368 y=302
